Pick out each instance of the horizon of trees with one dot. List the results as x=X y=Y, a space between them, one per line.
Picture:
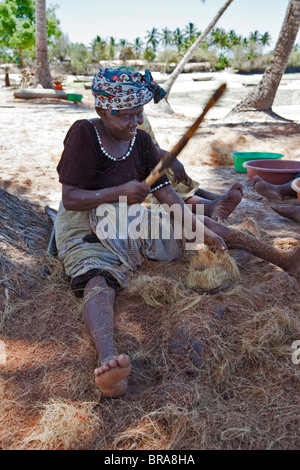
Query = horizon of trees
x=221 y=47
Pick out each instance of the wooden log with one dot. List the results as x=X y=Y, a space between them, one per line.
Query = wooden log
x=33 y=93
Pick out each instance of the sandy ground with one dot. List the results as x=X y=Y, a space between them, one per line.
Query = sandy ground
x=50 y=359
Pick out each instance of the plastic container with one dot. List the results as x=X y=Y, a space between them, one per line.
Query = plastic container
x=273 y=171
x=296 y=187
x=74 y=97
x=241 y=157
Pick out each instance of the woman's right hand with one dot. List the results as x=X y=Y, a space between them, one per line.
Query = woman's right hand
x=213 y=241
x=135 y=191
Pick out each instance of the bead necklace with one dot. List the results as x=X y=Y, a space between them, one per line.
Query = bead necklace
x=110 y=156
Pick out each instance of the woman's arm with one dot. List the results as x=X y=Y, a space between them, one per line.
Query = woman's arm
x=177 y=168
x=76 y=199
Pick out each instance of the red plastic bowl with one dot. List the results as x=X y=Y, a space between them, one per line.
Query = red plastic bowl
x=273 y=171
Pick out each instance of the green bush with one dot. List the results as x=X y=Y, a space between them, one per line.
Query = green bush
x=222 y=62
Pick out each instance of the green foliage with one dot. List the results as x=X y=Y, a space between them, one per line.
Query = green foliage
x=111 y=48
x=178 y=39
x=166 y=37
x=59 y=48
x=17 y=28
x=99 y=49
x=137 y=47
x=294 y=59
x=153 y=39
x=237 y=51
x=53 y=28
x=148 y=55
x=167 y=57
x=80 y=56
x=205 y=54
x=222 y=62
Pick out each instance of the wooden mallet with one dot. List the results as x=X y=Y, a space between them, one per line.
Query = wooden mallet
x=166 y=162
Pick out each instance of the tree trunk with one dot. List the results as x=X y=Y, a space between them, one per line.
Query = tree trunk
x=7 y=80
x=262 y=97
x=21 y=59
x=42 y=69
x=33 y=93
x=179 y=68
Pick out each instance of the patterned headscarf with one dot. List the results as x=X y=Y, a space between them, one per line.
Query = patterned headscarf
x=123 y=88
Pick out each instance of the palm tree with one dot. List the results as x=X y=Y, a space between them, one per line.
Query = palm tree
x=99 y=49
x=163 y=104
x=42 y=69
x=265 y=39
x=234 y=39
x=153 y=38
x=220 y=38
x=190 y=32
x=262 y=97
x=178 y=39
x=112 y=47
x=254 y=37
x=137 y=47
x=166 y=37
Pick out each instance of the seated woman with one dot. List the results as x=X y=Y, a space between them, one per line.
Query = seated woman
x=278 y=191
x=105 y=161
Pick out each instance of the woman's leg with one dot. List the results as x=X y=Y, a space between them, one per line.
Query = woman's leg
x=272 y=191
x=290 y=212
x=98 y=313
x=206 y=194
x=222 y=206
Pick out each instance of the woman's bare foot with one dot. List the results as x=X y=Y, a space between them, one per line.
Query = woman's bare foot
x=225 y=205
x=111 y=376
x=290 y=212
x=268 y=190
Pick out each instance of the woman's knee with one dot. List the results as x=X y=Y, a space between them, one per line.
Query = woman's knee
x=98 y=285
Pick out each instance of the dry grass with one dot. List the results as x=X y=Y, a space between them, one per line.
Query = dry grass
x=64 y=425
x=245 y=396
x=223 y=145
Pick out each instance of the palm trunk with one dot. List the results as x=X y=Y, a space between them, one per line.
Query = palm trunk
x=262 y=97
x=42 y=70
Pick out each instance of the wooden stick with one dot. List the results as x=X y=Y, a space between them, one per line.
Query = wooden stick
x=164 y=164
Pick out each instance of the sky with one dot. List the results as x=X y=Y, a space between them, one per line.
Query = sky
x=83 y=20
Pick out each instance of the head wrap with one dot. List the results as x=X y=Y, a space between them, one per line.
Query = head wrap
x=123 y=88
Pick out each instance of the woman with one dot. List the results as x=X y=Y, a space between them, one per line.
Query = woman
x=106 y=159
